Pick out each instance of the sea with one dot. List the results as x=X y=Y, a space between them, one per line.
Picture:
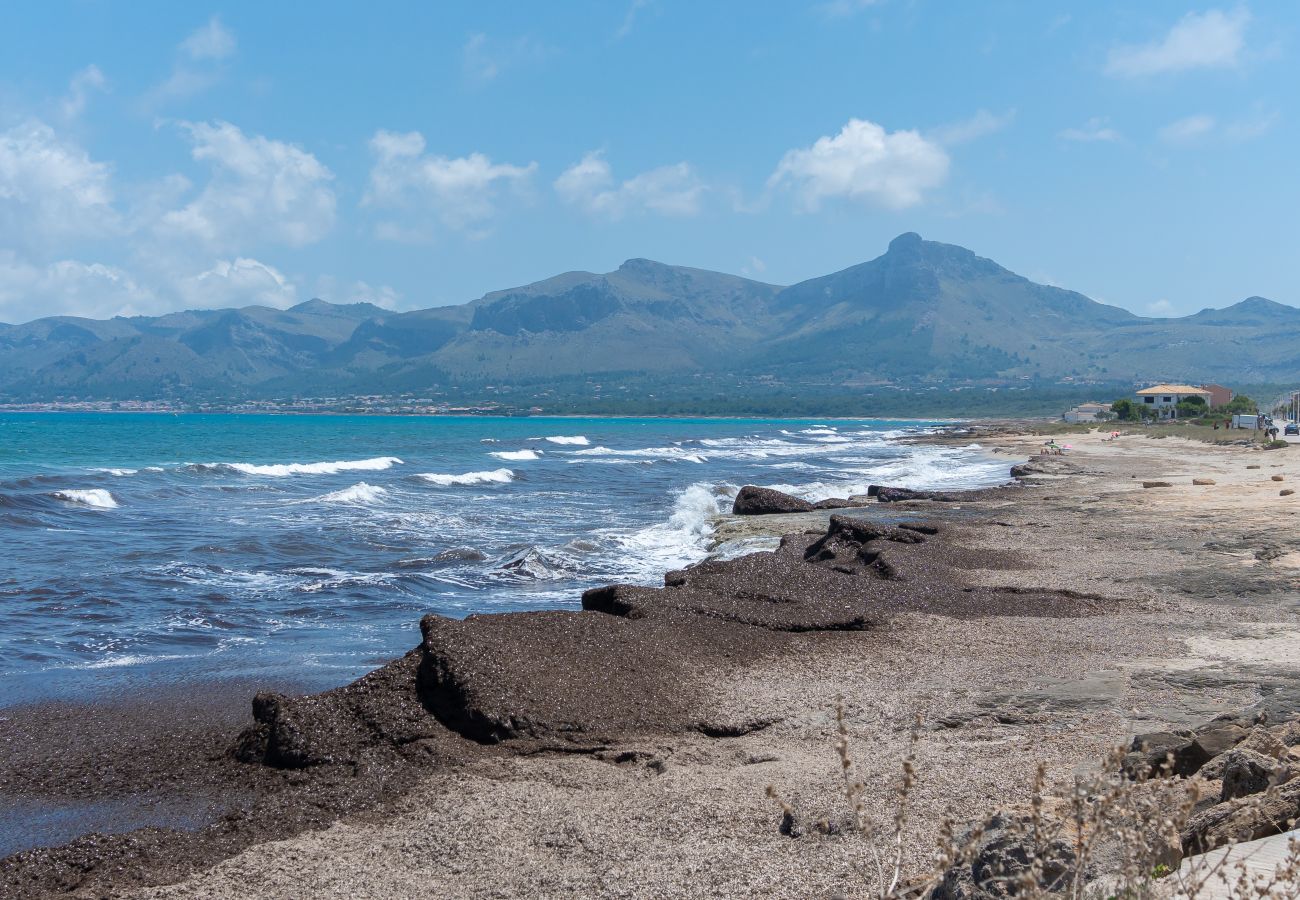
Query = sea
x=144 y=551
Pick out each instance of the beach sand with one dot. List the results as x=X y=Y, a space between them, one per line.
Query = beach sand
x=1176 y=604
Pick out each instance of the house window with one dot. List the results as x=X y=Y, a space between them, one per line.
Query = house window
x=1168 y=399
x=1149 y=399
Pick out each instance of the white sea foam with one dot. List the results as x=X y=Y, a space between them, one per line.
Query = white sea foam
x=673 y=453
x=683 y=539
x=359 y=493
x=94 y=497
x=279 y=470
x=576 y=440
x=517 y=455
x=496 y=476
x=129 y=659
x=118 y=472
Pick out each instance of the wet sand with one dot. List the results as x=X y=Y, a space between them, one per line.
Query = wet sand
x=1044 y=622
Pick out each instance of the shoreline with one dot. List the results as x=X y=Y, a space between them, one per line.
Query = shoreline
x=1061 y=678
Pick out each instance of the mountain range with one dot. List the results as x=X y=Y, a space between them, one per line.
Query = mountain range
x=921 y=313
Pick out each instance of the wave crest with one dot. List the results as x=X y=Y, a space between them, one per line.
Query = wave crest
x=358 y=493
x=496 y=476
x=280 y=470
x=97 y=498
x=517 y=455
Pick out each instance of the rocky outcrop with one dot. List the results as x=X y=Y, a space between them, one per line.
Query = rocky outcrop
x=1002 y=856
x=760 y=501
x=898 y=494
x=636 y=659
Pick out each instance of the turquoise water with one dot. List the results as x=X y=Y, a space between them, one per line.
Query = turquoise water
x=146 y=550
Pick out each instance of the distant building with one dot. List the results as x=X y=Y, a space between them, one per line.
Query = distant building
x=1219 y=395
x=1085 y=412
x=1164 y=398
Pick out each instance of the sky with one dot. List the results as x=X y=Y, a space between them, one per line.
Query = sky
x=157 y=156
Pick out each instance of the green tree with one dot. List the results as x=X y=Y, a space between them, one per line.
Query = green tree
x=1125 y=410
x=1191 y=408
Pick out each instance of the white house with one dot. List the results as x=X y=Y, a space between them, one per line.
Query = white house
x=1085 y=412
x=1163 y=398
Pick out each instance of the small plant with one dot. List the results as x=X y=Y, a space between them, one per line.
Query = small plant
x=1134 y=821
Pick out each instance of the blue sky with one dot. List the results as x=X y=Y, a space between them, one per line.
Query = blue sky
x=156 y=156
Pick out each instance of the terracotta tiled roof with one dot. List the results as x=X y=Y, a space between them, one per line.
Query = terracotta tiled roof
x=1172 y=389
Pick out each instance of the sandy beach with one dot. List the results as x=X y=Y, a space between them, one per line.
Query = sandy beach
x=627 y=750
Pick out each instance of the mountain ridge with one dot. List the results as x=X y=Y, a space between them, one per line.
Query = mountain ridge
x=923 y=311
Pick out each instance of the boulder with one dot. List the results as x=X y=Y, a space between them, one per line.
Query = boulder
x=1218 y=737
x=760 y=501
x=1002 y=857
x=1203 y=481
x=1278 y=478
x=1246 y=818
x=1252 y=467
x=1246 y=772
x=1156 y=484
x=1285 y=492
x=1161 y=753
x=842 y=502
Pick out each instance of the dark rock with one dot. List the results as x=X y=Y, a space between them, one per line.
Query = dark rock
x=842 y=502
x=1244 y=819
x=759 y=501
x=1156 y=484
x=1163 y=753
x=898 y=494
x=1246 y=772
x=1217 y=738
x=1003 y=856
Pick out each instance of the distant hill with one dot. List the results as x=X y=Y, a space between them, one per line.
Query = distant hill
x=922 y=313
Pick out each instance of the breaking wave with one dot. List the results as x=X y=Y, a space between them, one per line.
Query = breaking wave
x=358 y=493
x=673 y=453
x=94 y=497
x=496 y=476
x=576 y=440
x=517 y=455
x=279 y=470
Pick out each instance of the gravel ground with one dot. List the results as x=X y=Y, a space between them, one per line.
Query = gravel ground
x=1195 y=613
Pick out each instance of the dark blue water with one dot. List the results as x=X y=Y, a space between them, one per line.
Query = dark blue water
x=150 y=550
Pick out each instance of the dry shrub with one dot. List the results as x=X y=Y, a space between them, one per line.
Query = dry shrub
x=1104 y=836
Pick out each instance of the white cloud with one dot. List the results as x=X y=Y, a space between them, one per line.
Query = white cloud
x=200 y=66
x=1254 y=126
x=460 y=192
x=1187 y=129
x=1096 y=129
x=1162 y=308
x=67 y=287
x=211 y=41
x=629 y=18
x=864 y=163
x=79 y=88
x=668 y=190
x=1203 y=126
x=238 y=282
x=1213 y=39
x=50 y=188
x=261 y=190
x=838 y=9
x=484 y=58
x=982 y=124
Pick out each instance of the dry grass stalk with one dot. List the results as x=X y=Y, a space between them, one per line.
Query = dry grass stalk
x=1109 y=836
